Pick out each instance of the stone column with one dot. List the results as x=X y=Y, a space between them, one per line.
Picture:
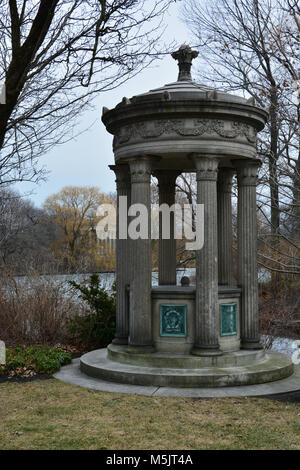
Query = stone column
x=225 y=262
x=140 y=329
x=167 y=247
x=122 y=258
x=207 y=324
x=247 y=252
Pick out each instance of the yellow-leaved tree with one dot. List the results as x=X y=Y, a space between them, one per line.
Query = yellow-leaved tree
x=73 y=210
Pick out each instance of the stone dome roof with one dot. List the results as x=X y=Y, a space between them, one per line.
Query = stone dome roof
x=188 y=90
x=185 y=88
x=183 y=117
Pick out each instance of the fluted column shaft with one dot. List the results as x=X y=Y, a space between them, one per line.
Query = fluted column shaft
x=167 y=247
x=140 y=329
x=225 y=261
x=247 y=253
x=207 y=326
x=123 y=273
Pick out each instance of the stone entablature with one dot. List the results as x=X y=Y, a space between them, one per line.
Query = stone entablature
x=181 y=118
x=184 y=114
x=185 y=128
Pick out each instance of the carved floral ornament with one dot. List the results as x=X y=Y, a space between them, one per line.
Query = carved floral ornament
x=247 y=173
x=140 y=171
x=195 y=127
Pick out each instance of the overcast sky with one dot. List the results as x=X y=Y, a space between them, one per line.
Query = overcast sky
x=84 y=161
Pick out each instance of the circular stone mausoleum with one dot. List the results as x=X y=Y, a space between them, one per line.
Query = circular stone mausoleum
x=188 y=336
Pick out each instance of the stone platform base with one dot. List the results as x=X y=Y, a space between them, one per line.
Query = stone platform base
x=117 y=364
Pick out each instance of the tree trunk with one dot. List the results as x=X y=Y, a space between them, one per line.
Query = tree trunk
x=273 y=179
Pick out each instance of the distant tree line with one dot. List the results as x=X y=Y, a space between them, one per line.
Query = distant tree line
x=59 y=238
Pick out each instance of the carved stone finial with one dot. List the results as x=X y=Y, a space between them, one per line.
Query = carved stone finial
x=126 y=100
x=167 y=96
x=185 y=281
x=251 y=101
x=184 y=56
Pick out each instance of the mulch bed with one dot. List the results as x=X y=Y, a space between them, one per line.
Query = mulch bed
x=20 y=379
x=291 y=397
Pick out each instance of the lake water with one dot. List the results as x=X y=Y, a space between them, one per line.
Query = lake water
x=107 y=279
x=284 y=345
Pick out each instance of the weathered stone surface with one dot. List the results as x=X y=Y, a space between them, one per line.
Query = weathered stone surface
x=224 y=208
x=247 y=252
x=186 y=128
x=123 y=265
x=274 y=366
x=140 y=332
x=167 y=247
x=184 y=56
x=120 y=353
x=72 y=374
x=206 y=315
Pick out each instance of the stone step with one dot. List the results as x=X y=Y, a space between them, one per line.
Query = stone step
x=121 y=353
x=275 y=366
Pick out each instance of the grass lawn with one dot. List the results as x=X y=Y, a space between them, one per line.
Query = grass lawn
x=50 y=414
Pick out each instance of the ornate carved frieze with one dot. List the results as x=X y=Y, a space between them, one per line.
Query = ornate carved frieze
x=185 y=128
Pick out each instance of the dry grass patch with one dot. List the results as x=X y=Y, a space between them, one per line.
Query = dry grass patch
x=55 y=415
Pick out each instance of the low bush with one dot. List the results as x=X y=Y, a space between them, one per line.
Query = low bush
x=38 y=359
x=35 y=309
x=96 y=327
x=279 y=313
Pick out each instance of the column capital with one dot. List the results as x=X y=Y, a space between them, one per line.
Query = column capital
x=165 y=177
x=141 y=168
x=225 y=176
x=247 y=171
x=122 y=173
x=206 y=167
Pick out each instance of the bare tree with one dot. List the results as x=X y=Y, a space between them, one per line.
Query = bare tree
x=25 y=234
x=55 y=56
x=252 y=47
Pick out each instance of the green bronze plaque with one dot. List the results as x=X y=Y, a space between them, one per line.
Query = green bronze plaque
x=228 y=319
x=172 y=320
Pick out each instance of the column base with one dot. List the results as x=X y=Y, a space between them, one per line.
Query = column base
x=140 y=349
x=199 y=351
x=120 y=340
x=248 y=344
